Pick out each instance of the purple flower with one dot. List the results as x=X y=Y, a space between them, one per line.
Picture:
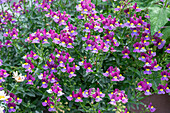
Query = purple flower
x=161 y=89
x=45 y=66
x=168 y=49
x=167 y=88
x=106 y=74
x=8 y=43
x=53 y=70
x=117 y=8
x=71 y=71
x=44 y=103
x=151 y=108
x=152 y=53
x=168 y=66
x=78 y=99
x=126 y=53
x=113 y=102
x=164 y=75
x=70 y=97
x=70 y=59
x=85 y=93
x=134 y=33
x=136 y=8
x=30 y=79
x=141 y=86
x=44 y=83
x=88 y=67
x=143 y=57
x=147 y=70
x=147 y=92
x=11 y=107
x=137 y=46
x=51 y=108
x=97 y=96
x=1 y=88
x=18 y=100
x=161 y=43
x=1 y=62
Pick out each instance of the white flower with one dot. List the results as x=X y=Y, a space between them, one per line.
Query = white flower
x=18 y=78
x=1 y=109
x=3 y=95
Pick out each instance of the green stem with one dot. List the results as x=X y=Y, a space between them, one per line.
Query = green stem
x=165 y=3
x=83 y=107
x=13 y=88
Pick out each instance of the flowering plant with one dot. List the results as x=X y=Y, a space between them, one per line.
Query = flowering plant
x=80 y=56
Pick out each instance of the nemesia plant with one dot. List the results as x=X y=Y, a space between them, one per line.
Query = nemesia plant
x=80 y=56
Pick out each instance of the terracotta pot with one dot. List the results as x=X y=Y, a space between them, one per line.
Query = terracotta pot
x=160 y=102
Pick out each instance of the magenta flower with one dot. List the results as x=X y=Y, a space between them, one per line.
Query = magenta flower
x=44 y=83
x=156 y=66
x=18 y=100
x=136 y=8
x=143 y=57
x=168 y=49
x=1 y=62
x=98 y=95
x=126 y=53
x=137 y=47
x=148 y=70
x=164 y=75
x=45 y=6
x=71 y=71
x=88 y=67
x=11 y=107
x=160 y=43
x=30 y=79
x=8 y=43
x=151 y=108
x=161 y=89
x=168 y=66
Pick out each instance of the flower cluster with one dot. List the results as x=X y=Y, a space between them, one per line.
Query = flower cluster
x=3 y=75
x=162 y=89
x=95 y=94
x=144 y=86
x=12 y=101
x=12 y=33
x=58 y=17
x=117 y=96
x=115 y=73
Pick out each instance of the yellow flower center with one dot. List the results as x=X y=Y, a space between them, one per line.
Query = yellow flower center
x=78 y=97
x=147 y=69
x=87 y=27
x=1 y=97
x=89 y=45
x=164 y=75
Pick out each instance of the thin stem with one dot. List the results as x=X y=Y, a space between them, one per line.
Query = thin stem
x=165 y=3
x=83 y=107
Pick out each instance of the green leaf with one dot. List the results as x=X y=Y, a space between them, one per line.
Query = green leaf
x=158 y=18
x=166 y=33
x=30 y=94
